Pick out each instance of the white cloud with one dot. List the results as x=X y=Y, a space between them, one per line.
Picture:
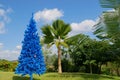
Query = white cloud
x=10 y=54
x=19 y=47
x=2 y=28
x=2 y=12
x=9 y=10
x=111 y=10
x=1 y=45
x=4 y=18
x=82 y=27
x=48 y=15
x=15 y=52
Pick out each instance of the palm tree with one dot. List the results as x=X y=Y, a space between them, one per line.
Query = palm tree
x=108 y=25
x=110 y=3
x=56 y=34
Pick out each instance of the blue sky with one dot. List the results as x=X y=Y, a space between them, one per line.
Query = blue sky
x=15 y=16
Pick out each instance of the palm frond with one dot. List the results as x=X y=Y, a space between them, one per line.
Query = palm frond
x=79 y=39
x=61 y=28
x=108 y=25
x=48 y=36
x=66 y=29
x=110 y=3
x=56 y=33
x=64 y=44
x=46 y=30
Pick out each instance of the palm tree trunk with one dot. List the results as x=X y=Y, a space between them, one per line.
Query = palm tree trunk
x=59 y=60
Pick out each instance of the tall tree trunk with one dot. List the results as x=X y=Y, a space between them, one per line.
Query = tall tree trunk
x=117 y=70
x=90 y=68
x=100 y=64
x=59 y=60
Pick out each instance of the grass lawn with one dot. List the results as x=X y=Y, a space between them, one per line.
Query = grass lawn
x=56 y=76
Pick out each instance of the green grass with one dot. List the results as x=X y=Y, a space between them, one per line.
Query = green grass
x=56 y=76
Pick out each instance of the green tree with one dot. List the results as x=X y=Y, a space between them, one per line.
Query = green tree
x=88 y=53
x=75 y=50
x=115 y=4
x=56 y=34
x=6 y=65
x=96 y=54
x=108 y=26
x=47 y=52
x=88 y=50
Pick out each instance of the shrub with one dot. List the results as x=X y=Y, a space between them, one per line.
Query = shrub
x=7 y=65
x=66 y=65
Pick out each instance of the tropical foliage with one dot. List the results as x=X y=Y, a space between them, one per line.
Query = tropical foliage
x=108 y=27
x=56 y=34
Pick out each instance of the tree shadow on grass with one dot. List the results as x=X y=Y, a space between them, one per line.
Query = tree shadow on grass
x=90 y=76
x=22 y=78
x=96 y=77
x=82 y=75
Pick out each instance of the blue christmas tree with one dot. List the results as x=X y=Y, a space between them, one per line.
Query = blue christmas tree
x=31 y=59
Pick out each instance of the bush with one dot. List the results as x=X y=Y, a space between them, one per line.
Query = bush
x=106 y=70
x=82 y=69
x=66 y=65
x=50 y=69
x=7 y=65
